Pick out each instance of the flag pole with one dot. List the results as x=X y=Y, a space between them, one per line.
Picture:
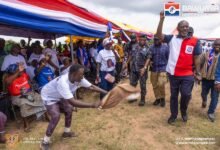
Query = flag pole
x=71 y=48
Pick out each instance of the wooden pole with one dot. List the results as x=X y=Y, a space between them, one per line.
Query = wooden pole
x=71 y=47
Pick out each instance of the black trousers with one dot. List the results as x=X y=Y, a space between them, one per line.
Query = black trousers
x=184 y=86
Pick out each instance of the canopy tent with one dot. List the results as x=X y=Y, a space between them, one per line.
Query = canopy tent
x=77 y=38
x=132 y=29
x=24 y=32
x=52 y=17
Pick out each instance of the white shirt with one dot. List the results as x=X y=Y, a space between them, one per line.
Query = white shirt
x=107 y=60
x=34 y=56
x=61 y=88
x=30 y=72
x=65 y=71
x=54 y=58
x=11 y=59
x=93 y=52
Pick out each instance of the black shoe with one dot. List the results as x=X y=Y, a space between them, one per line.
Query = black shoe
x=171 y=120
x=69 y=135
x=162 y=102
x=185 y=118
x=204 y=103
x=156 y=102
x=211 y=117
x=132 y=100
x=44 y=146
x=141 y=103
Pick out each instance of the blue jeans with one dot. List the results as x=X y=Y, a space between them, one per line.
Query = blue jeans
x=104 y=83
x=208 y=85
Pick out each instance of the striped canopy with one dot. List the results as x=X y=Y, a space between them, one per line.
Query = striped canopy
x=44 y=18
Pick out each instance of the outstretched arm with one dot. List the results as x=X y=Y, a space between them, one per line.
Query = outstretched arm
x=97 y=89
x=80 y=104
x=159 y=32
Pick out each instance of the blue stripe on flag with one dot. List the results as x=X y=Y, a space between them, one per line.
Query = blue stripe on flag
x=167 y=13
x=19 y=18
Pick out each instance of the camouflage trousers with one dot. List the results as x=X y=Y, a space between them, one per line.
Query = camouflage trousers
x=135 y=77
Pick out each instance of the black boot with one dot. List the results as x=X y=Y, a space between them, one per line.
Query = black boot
x=184 y=116
x=204 y=103
x=171 y=120
x=162 y=102
x=142 y=102
x=156 y=102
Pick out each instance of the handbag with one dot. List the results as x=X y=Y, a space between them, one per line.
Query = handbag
x=110 y=78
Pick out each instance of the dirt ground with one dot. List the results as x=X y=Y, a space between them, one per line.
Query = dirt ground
x=128 y=127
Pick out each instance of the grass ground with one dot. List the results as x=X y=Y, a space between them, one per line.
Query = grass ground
x=127 y=127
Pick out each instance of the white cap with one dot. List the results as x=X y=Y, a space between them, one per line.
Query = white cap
x=107 y=41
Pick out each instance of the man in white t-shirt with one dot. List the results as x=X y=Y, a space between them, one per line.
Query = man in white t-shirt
x=57 y=96
x=53 y=62
x=106 y=62
x=13 y=58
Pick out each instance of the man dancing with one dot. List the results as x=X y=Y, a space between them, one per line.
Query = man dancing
x=57 y=96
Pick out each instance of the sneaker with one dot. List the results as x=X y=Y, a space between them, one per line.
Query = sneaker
x=69 y=135
x=156 y=102
x=141 y=103
x=204 y=104
x=211 y=117
x=162 y=102
x=44 y=146
x=171 y=120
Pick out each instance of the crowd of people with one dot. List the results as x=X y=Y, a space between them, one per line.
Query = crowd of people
x=43 y=80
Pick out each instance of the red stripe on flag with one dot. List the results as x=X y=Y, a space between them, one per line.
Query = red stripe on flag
x=65 y=6
x=175 y=5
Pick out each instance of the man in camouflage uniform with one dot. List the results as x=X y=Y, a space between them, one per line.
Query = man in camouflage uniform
x=139 y=58
x=130 y=48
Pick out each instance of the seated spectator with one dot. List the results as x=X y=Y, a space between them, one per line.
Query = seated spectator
x=2 y=56
x=30 y=103
x=2 y=51
x=3 y=120
x=66 y=65
x=37 y=52
x=43 y=73
x=13 y=58
x=31 y=68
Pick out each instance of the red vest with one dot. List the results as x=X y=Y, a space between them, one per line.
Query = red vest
x=181 y=58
